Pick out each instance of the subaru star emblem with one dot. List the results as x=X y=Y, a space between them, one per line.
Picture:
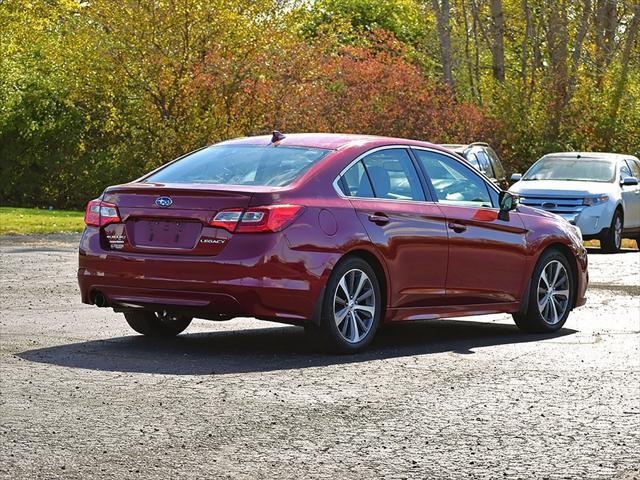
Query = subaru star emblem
x=163 y=202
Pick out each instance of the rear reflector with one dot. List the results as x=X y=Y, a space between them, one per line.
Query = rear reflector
x=272 y=218
x=99 y=213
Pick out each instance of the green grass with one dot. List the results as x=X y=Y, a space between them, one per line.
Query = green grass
x=23 y=221
x=626 y=243
x=32 y=220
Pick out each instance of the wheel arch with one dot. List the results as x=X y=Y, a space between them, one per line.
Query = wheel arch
x=571 y=259
x=378 y=267
x=372 y=259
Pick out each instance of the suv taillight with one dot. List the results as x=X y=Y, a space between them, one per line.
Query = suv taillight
x=99 y=213
x=272 y=218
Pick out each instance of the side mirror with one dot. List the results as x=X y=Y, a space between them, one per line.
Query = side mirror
x=629 y=181
x=516 y=177
x=508 y=201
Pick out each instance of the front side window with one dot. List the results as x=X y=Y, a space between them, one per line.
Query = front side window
x=388 y=174
x=241 y=165
x=453 y=182
x=572 y=169
x=625 y=171
x=634 y=166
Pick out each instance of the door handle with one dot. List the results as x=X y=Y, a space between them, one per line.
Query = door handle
x=457 y=227
x=379 y=218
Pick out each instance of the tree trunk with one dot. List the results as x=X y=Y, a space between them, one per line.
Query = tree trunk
x=606 y=24
x=467 y=51
x=528 y=33
x=443 y=11
x=576 y=56
x=621 y=81
x=497 y=35
x=557 y=37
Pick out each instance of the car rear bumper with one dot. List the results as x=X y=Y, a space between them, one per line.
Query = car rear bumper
x=273 y=282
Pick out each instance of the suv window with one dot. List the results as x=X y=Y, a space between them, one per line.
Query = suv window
x=497 y=164
x=472 y=158
x=625 y=171
x=453 y=182
x=634 y=166
x=384 y=174
x=485 y=164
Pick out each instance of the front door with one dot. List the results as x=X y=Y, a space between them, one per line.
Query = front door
x=487 y=254
x=630 y=194
x=409 y=232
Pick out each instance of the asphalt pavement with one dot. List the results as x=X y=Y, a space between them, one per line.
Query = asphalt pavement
x=83 y=396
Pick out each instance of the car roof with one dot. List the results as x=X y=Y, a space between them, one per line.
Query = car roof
x=593 y=155
x=332 y=141
x=454 y=146
x=459 y=147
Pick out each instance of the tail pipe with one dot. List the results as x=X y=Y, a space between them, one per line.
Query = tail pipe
x=99 y=300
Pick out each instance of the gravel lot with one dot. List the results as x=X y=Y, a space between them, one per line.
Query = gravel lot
x=82 y=396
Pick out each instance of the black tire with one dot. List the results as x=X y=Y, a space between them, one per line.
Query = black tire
x=533 y=320
x=156 y=324
x=328 y=335
x=612 y=242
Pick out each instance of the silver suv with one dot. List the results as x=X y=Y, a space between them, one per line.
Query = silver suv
x=483 y=158
x=598 y=192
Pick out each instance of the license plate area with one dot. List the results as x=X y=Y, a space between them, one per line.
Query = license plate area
x=164 y=233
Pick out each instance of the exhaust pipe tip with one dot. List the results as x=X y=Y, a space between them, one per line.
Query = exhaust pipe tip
x=99 y=300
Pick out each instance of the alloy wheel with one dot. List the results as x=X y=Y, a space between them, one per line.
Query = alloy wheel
x=617 y=226
x=553 y=292
x=354 y=305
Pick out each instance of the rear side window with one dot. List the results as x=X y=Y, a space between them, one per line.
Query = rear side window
x=355 y=182
x=393 y=175
x=386 y=174
x=241 y=165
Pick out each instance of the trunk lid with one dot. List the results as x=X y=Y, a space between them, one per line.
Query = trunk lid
x=172 y=218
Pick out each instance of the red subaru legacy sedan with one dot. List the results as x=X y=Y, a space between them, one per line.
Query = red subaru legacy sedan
x=337 y=233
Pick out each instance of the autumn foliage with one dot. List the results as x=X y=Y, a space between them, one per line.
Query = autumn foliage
x=369 y=89
x=97 y=93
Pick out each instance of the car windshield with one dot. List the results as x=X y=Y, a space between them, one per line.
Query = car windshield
x=241 y=165
x=572 y=169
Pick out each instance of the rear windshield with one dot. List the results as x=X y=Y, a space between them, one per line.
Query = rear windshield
x=572 y=169
x=241 y=165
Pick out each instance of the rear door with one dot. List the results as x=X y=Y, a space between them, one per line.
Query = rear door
x=487 y=254
x=408 y=231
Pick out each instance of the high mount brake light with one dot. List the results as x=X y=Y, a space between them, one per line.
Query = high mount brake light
x=99 y=213
x=272 y=218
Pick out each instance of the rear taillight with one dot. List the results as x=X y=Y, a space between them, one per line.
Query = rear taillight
x=272 y=218
x=99 y=213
